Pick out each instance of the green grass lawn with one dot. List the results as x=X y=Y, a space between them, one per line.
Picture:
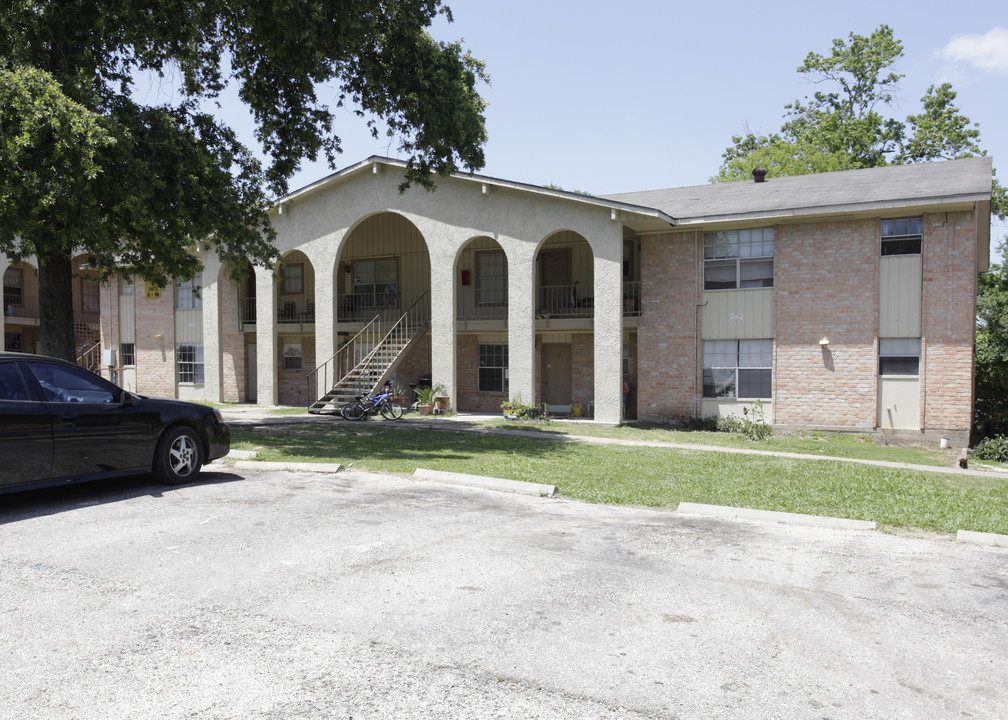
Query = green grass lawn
x=656 y=477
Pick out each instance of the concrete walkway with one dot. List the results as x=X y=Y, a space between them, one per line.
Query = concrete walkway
x=254 y=415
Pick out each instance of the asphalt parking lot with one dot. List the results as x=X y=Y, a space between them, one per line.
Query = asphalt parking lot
x=296 y=595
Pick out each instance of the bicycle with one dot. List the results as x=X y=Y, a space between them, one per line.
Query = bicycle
x=364 y=405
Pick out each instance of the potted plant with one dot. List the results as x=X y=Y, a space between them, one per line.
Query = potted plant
x=440 y=398
x=425 y=400
x=399 y=394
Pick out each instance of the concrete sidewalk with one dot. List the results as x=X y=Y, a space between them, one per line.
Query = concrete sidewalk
x=254 y=415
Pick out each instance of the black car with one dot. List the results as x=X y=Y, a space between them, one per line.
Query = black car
x=60 y=423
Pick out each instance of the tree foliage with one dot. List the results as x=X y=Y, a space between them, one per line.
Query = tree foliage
x=992 y=347
x=90 y=169
x=845 y=124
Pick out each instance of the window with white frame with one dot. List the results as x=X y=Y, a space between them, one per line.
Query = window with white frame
x=493 y=368
x=187 y=293
x=90 y=298
x=491 y=278
x=899 y=356
x=737 y=368
x=189 y=362
x=902 y=236
x=292 y=354
x=127 y=354
x=738 y=259
x=292 y=278
x=376 y=283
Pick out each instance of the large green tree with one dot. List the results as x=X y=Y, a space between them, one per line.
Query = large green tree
x=89 y=168
x=992 y=347
x=847 y=123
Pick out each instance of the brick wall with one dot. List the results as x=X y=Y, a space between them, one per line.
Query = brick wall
x=416 y=362
x=948 y=317
x=667 y=365
x=232 y=343
x=826 y=284
x=582 y=369
x=155 y=357
x=292 y=385
x=470 y=399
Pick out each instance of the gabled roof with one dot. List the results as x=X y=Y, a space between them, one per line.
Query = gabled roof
x=638 y=216
x=967 y=180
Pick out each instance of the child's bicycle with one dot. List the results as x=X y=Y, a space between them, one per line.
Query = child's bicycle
x=364 y=405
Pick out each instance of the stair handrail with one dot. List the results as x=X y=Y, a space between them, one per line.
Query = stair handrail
x=88 y=358
x=414 y=317
x=370 y=330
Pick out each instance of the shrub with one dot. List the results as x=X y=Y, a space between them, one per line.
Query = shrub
x=752 y=424
x=992 y=448
x=518 y=410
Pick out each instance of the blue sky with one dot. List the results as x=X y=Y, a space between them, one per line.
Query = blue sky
x=613 y=97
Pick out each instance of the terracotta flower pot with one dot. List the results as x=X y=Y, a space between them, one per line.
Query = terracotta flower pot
x=425 y=409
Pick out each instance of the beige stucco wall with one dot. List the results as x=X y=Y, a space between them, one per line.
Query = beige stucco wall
x=318 y=224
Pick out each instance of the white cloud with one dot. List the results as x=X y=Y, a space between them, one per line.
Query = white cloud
x=987 y=52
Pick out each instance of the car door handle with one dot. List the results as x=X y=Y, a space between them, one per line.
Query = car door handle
x=69 y=418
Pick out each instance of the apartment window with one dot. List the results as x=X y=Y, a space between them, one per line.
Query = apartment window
x=735 y=259
x=292 y=355
x=292 y=278
x=13 y=342
x=90 y=303
x=493 y=368
x=187 y=294
x=737 y=368
x=899 y=356
x=902 y=236
x=127 y=354
x=13 y=284
x=491 y=278
x=189 y=361
x=376 y=283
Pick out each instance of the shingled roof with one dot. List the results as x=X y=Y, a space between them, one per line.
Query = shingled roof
x=966 y=180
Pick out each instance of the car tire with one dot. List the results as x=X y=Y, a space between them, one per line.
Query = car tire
x=178 y=457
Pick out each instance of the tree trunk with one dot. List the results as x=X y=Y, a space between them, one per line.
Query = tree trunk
x=56 y=303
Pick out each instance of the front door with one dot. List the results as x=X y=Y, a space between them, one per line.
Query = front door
x=556 y=375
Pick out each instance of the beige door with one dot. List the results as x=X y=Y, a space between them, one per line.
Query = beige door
x=556 y=375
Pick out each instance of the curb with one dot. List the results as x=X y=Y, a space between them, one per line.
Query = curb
x=774 y=516
x=304 y=466
x=487 y=483
x=982 y=538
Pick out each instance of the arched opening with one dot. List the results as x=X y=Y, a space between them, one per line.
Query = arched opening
x=481 y=340
x=381 y=283
x=294 y=299
x=565 y=310
x=21 y=308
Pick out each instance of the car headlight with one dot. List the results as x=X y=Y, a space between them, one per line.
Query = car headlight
x=217 y=414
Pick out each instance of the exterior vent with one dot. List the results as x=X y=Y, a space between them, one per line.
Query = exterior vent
x=759 y=174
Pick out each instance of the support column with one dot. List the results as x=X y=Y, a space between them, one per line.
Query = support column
x=211 y=329
x=608 y=293
x=442 y=296
x=266 y=341
x=521 y=320
x=325 y=334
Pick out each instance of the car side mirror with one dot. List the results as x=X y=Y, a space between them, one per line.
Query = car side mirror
x=127 y=399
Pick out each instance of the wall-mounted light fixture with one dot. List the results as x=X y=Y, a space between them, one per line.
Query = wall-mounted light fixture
x=346 y=268
x=824 y=342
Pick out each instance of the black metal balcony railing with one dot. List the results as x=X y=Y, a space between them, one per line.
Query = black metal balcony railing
x=296 y=310
x=18 y=304
x=563 y=301
x=632 y=298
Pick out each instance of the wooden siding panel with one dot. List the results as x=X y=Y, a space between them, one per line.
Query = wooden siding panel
x=900 y=296
x=752 y=308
